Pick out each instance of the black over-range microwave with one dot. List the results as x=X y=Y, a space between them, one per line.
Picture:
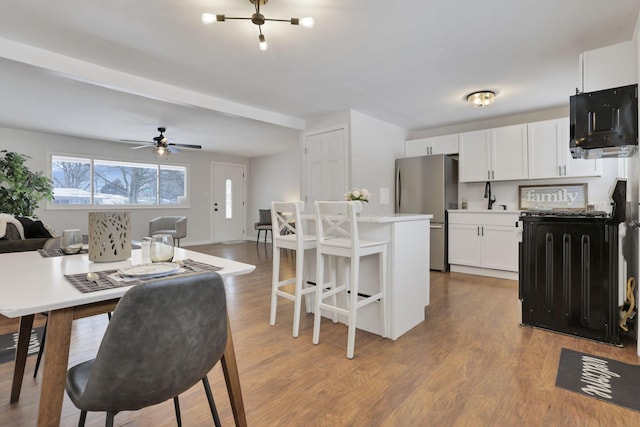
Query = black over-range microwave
x=604 y=123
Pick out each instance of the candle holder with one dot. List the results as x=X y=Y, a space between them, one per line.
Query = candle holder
x=109 y=236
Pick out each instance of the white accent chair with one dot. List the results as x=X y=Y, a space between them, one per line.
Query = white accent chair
x=337 y=237
x=174 y=225
x=287 y=222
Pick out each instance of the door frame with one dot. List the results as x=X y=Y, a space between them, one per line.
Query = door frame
x=215 y=164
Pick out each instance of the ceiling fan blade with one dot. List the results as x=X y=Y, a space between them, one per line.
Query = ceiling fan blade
x=173 y=150
x=186 y=145
x=140 y=146
x=137 y=140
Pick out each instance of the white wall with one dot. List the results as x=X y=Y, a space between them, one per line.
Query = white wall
x=272 y=178
x=39 y=146
x=374 y=147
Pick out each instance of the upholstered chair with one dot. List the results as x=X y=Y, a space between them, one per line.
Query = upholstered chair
x=174 y=225
x=164 y=336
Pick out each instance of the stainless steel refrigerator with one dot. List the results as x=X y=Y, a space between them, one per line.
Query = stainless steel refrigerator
x=429 y=185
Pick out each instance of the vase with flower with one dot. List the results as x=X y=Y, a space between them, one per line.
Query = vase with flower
x=360 y=194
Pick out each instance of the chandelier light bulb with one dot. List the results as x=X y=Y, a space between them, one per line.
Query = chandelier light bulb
x=262 y=43
x=208 y=18
x=307 y=22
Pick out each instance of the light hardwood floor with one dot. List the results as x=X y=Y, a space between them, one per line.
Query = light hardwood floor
x=468 y=364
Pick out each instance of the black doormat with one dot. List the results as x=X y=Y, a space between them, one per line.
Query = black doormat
x=599 y=377
x=8 y=344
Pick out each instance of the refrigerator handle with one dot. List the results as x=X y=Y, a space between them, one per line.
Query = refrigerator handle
x=398 y=190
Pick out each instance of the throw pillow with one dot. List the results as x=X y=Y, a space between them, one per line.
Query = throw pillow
x=33 y=229
x=12 y=233
x=265 y=216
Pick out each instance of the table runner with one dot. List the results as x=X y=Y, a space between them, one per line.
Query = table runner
x=109 y=279
x=49 y=253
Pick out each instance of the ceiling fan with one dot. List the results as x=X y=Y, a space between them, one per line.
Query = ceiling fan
x=161 y=144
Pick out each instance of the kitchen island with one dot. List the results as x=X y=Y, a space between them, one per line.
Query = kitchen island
x=408 y=283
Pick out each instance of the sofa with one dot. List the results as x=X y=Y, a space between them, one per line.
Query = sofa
x=20 y=234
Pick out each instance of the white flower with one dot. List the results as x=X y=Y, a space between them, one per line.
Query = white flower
x=357 y=194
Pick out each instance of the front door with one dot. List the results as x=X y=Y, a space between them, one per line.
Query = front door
x=228 y=185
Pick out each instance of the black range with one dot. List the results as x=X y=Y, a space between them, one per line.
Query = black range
x=569 y=270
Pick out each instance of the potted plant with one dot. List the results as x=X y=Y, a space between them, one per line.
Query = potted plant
x=21 y=189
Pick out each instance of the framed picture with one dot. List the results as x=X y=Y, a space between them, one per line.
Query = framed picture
x=559 y=197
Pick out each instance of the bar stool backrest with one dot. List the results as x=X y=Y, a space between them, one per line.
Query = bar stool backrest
x=337 y=220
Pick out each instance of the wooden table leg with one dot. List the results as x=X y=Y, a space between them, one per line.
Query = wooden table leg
x=232 y=378
x=55 y=366
x=24 y=336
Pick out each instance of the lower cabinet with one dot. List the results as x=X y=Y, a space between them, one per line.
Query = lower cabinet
x=486 y=242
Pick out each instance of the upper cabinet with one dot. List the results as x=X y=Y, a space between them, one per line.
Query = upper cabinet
x=447 y=144
x=608 y=67
x=549 y=154
x=498 y=154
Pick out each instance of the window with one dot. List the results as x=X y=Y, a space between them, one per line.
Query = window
x=228 y=199
x=82 y=181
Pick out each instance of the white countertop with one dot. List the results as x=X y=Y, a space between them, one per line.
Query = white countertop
x=490 y=211
x=380 y=219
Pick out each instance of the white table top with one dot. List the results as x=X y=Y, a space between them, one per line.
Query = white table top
x=32 y=284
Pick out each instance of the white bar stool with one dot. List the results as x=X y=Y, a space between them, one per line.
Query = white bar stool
x=289 y=235
x=337 y=236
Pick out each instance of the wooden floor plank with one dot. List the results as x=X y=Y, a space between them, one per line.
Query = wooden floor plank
x=469 y=363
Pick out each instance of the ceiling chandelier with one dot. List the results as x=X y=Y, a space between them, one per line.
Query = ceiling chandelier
x=481 y=99
x=258 y=19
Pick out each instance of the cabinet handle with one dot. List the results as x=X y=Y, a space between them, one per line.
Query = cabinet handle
x=482 y=231
x=564 y=168
x=488 y=174
x=478 y=230
x=559 y=170
x=493 y=174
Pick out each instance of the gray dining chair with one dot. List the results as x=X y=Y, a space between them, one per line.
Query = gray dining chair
x=174 y=225
x=164 y=337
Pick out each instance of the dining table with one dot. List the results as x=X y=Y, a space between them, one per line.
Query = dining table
x=34 y=282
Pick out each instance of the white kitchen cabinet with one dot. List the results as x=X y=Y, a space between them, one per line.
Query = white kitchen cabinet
x=465 y=246
x=446 y=144
x=498 y=154
x=484 y=242
x=608 y=67
x=549 y=154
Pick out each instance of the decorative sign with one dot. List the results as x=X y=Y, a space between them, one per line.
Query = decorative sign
x=559 y=197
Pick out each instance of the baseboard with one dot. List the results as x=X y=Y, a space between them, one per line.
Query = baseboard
x=500 y=274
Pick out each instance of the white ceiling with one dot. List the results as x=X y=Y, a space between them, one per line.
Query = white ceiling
x=119 y=69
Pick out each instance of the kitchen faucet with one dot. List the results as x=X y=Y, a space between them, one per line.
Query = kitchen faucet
x=487 y=195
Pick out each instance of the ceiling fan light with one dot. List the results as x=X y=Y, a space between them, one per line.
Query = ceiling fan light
x=307 y=22
x=481 y=98
x=160 y=151
x=208 y=18
x=262 y=43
